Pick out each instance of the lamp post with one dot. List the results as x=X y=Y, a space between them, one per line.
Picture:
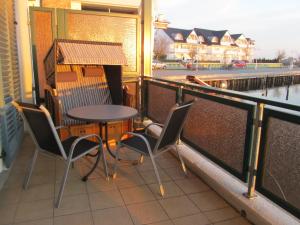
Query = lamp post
x=197 y=57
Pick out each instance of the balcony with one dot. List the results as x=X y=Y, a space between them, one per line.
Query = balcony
x=223 y=140
x=225 y=143
x=132 y=198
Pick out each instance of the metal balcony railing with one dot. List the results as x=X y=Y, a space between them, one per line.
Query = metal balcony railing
x=255 y=139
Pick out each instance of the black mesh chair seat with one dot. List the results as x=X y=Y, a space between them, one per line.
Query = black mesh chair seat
x=138 y=144
x=83 y=146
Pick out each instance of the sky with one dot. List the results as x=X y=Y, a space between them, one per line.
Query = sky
x=273 y=24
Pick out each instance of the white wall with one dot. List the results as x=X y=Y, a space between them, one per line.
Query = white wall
x=24 y=49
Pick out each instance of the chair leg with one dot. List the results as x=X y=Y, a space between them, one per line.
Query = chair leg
x=104 y=163
x=30 y=169
x=161 y=187
x=63 y=183
x=181 y=161
x=116 y=161
x=141 y=159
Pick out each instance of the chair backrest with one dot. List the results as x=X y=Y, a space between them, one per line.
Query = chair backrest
x=41 y=128
x=173 y=125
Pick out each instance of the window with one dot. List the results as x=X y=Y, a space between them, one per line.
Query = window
x=178 y=37
x=201 y=38
x=214 y=39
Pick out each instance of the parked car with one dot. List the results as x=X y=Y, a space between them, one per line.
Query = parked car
x=158 y=65
x=238 y=64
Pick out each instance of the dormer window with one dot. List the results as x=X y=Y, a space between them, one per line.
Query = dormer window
x=193 y=37
x=214 y=39
x=178 y=37
x=226 y=38
x=201 y=38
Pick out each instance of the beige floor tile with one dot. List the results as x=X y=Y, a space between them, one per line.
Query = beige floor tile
x=130 y=181
x=10 y=196
x=208 y=200
x=45 y=177
x=7 y=213
x=179 y=206
x=74 y=173
x=44 y=164
x=236 y=221
x=74 y=219
x=171 y=190
x=100 y=184
x=48 y=221
x=14 y=181
x=221 y=214
x=177 y=173
x=34 y=210
x=126 y=170
x=197 y=219
x=137 y=194
x=38 y=192
x=190 y=186
x=169 y=162
x=149 y=212
x=106 y=199
x=146 y=166
x=167 y=222
x=72 y=188
x=112 y=216
x=150 y=177
x=73 y=204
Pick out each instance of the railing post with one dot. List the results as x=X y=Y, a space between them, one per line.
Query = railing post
x=255 y=150
x=179 y=95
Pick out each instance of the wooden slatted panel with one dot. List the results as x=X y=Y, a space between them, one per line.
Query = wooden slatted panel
x=9 y=53
x=11 y=126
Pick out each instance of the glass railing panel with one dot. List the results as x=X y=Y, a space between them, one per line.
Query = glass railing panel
x=221 y=130
x=160 y=98
x=279 y=161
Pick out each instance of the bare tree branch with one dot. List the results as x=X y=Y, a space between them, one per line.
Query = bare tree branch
x=161 y=48
x=280 y=55
x=193 y=53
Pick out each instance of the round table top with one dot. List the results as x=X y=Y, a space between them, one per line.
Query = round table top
x=102 y=113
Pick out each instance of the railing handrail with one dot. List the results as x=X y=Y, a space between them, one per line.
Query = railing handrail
x=230 y=93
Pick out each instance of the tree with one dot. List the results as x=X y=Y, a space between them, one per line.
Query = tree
x=161 y=48
x=193 y=53
x=280 y=55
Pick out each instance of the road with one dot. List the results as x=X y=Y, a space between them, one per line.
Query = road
x=223 y=74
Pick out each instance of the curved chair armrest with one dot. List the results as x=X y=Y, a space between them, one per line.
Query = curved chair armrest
x=140 y=136
x=80 y=139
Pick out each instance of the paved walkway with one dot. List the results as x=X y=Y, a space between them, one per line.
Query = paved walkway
x=222 y=74
x=131 y=199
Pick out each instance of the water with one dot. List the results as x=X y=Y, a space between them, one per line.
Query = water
x=279 y=94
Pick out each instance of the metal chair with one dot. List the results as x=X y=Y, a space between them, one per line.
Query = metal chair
x=148 y=145
x=46 y=140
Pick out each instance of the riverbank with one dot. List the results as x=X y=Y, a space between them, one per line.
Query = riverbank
x=223 y=74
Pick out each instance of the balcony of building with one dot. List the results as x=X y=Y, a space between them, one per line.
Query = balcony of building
x=241 y=151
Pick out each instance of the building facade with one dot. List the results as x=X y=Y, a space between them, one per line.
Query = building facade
x=202 y=45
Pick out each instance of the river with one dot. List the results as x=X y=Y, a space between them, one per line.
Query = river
x=279 y=93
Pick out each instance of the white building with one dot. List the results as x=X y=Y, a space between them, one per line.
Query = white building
x=202 y=44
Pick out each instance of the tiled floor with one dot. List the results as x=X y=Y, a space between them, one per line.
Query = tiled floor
x=131 y=199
